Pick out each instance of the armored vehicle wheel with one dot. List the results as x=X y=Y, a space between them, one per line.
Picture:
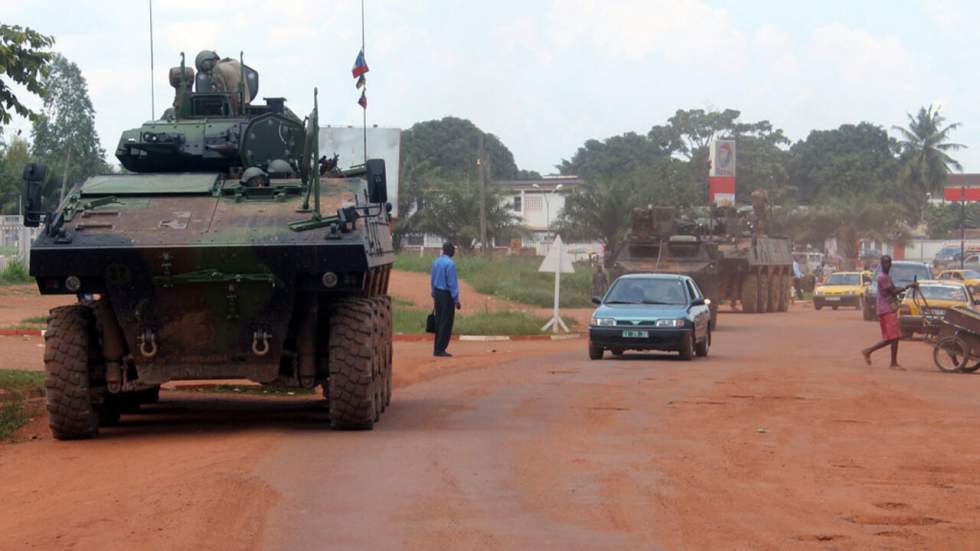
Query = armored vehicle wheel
x=784 y=294
x=775 y=282
x=70 y=343
x=353 y=356
x=687 y=347
x=595 y=352
x=387 y=332
x=750 y=294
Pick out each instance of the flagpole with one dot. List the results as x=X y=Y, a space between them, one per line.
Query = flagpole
x=153 y=104
x=364 y=110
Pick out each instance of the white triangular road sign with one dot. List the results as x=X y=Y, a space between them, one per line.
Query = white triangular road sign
x=556 y=259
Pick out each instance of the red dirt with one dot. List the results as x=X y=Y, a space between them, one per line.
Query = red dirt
x=781 y=439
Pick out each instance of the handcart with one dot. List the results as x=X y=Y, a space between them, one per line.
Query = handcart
x=954 y=335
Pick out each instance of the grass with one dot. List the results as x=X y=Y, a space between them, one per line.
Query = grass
x=35 y=320
x=514 y=278
x=412 y=321
x=8 y=251
x=14 y=413
x=15 y=274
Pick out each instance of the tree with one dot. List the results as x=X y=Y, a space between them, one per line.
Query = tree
x=452 y=212
x=689 y=132
x=849 y=219
x=601 y=207
x=924 y=148
x=24 y=61
x=943 y=220
x=851 y=159
x=439 y=151
x=64 y=133
x=613 y=156
x=13 y=157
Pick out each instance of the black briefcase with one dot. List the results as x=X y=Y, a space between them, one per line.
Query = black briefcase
x=430 y=323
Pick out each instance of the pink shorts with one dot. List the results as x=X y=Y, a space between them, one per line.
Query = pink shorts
x=889 y=326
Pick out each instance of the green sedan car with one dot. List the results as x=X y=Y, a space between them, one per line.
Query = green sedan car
x=651 y=312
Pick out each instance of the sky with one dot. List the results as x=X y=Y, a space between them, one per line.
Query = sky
x=542 y=75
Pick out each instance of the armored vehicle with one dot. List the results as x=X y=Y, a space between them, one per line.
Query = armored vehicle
x=659 y=242
x=230 y=250
x=726 y=252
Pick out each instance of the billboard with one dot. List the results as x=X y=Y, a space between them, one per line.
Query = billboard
x=382 y=143
x=721 y=172
x=722 y=157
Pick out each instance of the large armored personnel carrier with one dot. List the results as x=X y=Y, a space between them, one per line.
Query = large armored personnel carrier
x=726 y=253
x=231 y=250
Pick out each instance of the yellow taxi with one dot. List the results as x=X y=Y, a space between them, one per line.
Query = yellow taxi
x=970 y=277
x=840 y=289
x=940 y=296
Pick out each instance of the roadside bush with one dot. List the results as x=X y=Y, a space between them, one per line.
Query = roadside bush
x=15 y=273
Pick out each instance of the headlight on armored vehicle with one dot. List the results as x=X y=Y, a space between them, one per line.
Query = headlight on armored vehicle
x=603 y=322
x=671 y=323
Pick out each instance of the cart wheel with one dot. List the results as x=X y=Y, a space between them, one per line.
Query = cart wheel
x=971 y=367
x=950 y=354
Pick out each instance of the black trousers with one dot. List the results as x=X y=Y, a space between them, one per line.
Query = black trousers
x=445 y=309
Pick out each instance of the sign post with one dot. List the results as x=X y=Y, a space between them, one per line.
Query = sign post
x=556 y=261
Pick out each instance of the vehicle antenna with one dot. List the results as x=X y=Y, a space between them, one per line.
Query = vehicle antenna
x=153 y=106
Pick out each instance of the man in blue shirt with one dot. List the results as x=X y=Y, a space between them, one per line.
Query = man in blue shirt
x=445 y=294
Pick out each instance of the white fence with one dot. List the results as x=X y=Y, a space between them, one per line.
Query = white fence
x=15 y=240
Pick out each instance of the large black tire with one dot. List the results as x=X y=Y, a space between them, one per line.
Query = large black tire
x=774 y=282
x=701 y=348
x=687 y=347
x=595 y=351
x=784 y=288
x=68 y=342
x=750 y=294
x=354 y=358
x=387 y=330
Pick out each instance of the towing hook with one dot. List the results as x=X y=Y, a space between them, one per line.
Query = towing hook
x=260 y=342
x=148 y=344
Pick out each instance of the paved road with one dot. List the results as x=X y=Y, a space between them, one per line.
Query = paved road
x=781 y=439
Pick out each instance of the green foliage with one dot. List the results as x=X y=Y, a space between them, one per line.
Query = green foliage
x=944 y=220
x=64 y=133
x=848 y=219
x=925 y=149
x=13 y=415
x=513 y=278
x=13 y=157
x=23 y=59
x=412 y=321
x=601 y=207
x=15 y=274
x=612 y=157
x=452 y=211
x=20 y=381
x=849 y=160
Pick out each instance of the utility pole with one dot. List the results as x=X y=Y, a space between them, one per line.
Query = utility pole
x=962 y=226
x=482 y=164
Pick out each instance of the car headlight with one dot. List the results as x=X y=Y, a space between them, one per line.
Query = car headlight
x=818 y=292
x=603 y=322
x=671 y=323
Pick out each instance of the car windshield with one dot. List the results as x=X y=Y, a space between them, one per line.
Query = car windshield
x=903 y=274
x=844 y=279
x=971 y=274
x=944 y=292
x=948 y=253
x=647 y=291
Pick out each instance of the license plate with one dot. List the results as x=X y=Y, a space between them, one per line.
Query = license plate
x=636 y=334
x=938 y=313
x=832 y=299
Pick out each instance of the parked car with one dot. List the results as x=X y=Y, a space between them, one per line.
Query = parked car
x=969 y=277
x=940 y=297
x=839 y=289
x=651 y=312
x=903 y=272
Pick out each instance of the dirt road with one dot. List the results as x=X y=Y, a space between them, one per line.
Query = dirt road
x=781 y=439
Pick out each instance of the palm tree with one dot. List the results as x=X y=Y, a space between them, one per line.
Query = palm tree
x=924 y=148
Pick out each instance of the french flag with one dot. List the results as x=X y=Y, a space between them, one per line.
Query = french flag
x=360 y=66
